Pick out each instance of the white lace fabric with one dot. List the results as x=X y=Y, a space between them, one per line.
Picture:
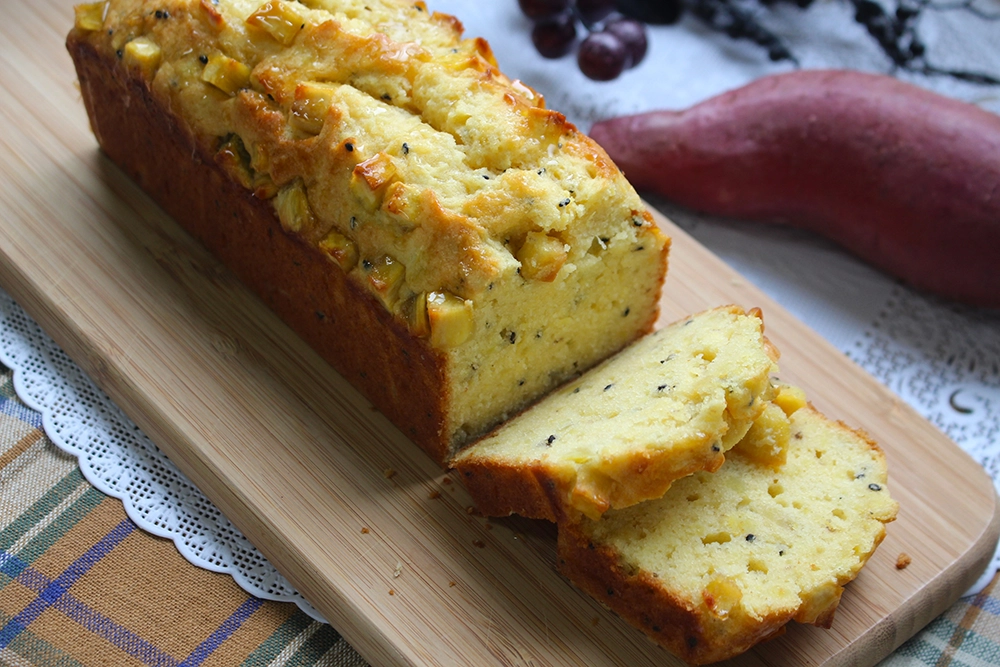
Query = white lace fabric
x=942 y=359
x=119 y=460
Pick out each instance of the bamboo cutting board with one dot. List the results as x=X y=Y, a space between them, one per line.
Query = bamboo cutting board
x=297 y=459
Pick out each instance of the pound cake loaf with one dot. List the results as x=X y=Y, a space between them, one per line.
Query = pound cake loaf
x=667 y=406
x=727 y=559
x=452 y=247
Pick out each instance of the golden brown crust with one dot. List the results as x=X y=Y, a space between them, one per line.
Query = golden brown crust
x=643 y=601
x=536 y=491
x=502 y=490
x=403 y=376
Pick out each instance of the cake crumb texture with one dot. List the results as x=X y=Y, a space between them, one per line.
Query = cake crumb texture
x=671 y=404
x=726 y=559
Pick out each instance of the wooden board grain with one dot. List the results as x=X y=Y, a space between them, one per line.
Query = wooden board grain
x=297 y=459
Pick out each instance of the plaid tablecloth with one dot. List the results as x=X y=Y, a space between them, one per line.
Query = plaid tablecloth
x=81 y=585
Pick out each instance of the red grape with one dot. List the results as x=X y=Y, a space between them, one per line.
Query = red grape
x=593 y=11
x=555 y=38
x=633 y=35
x=542 y=10
x=602 y=56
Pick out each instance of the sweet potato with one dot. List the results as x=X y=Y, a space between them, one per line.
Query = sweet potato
x=905 y=178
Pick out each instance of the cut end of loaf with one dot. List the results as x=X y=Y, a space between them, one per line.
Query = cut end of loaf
x=669 y=405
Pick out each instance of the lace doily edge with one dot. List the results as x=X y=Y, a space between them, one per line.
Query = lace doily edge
x=130 y=510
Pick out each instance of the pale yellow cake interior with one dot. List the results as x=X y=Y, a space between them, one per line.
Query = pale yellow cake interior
x=750 y=541
x=682 y=396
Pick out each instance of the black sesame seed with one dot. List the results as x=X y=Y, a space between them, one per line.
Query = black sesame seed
x=692 y=642
x=320 y=315
x=349 y=146
x=661 y=387
x=520 y=383
x=627 y=311
x=486 y=177
x=406 y=149
x=716 y=448
x=576 y=391
x=387 y=97
x=609 y=386
x=366 y=264
x=512 y=337
x=541 y=171
x=119 y=53
x=203 y=59
x=781 y=553
x=354 y=222
x=550 y=440
x=637 y=222
x=859 y=475
x=538 y=334
x=874 y=487
x=638 y=248
x=751 y=537
x=611 y=592
x=564 y=202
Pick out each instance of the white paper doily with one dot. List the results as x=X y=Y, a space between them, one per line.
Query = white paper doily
x=119 y=460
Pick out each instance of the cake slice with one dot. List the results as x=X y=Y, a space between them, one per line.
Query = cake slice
x=667 y=406
x=725 y=560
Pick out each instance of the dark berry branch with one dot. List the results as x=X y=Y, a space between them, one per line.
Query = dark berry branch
x=896 y=34
x=740 y=23
x=965 y=5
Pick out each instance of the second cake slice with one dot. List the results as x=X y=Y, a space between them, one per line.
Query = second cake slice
x=725 y=560
x=666 y=407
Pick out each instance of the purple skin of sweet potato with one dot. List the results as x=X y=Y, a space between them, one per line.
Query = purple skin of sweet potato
x=904 y=178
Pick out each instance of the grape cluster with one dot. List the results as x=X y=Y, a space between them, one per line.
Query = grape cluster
x=613 y=43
